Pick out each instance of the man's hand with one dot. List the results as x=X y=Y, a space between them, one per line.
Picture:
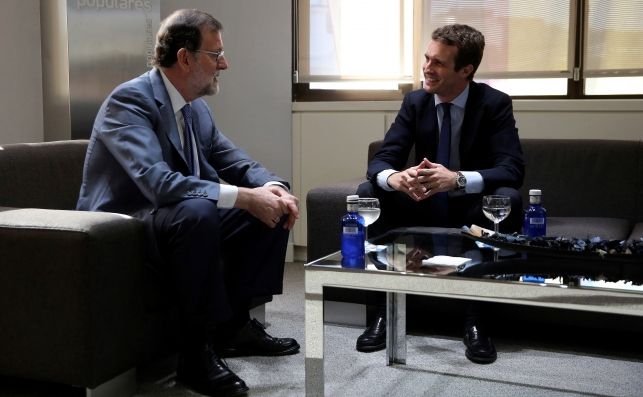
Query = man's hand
x=289 y=203
x=269 y=204
x=423 y=180
x=406 y=181
x=434 y=178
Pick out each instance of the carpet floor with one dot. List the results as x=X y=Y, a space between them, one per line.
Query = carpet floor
x=605 y=364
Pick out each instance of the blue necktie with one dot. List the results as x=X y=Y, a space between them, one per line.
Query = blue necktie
x=187 y=137
x=444 y=144
x=441 y=200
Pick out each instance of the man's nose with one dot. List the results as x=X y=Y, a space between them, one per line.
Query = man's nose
x=223 y=63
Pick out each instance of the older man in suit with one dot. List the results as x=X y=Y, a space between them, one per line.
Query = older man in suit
x=156 y=154
x=466 y=146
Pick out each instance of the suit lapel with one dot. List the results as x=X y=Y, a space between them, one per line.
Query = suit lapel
x=165 y=109
x=202 y=131
x=430 y=131
x=472 y=114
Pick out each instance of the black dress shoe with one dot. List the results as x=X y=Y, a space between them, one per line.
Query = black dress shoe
x=374 y=338
x=480 y=349
x=253 y=340
x=203 y=371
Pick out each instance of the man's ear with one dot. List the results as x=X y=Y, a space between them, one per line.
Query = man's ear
x=467 y=70
x=183 y=58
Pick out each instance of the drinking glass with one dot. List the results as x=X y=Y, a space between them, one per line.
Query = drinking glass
x=496 y=208
x=369 y=208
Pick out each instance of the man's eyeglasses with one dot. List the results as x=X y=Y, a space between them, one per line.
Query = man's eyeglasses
x=216 y=55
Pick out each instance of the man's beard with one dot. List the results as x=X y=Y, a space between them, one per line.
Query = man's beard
x=210 y=89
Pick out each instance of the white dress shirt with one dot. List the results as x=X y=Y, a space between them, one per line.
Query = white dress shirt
x=227 y=193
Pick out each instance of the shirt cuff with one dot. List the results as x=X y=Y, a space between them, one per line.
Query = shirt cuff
x=382 y=179
x=278 y=184
x=227 y=196
x=475 y=183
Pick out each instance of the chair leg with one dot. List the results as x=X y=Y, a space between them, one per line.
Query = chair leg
x=123 y=385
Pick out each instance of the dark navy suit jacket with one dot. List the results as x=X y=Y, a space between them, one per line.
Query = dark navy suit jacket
x=489 y=142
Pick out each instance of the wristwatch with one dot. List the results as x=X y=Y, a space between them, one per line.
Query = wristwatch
x=460 y=181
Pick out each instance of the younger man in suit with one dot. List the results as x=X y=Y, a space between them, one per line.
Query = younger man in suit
x=466 y=145
x=156 y=154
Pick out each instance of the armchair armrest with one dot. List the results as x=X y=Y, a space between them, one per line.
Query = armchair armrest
x=69 y=294
x=325 y=206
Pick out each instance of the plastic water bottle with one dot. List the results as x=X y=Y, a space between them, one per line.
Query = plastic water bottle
x=353 y=235
x=535 y=216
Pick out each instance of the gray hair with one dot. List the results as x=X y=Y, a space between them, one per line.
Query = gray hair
x=181 y=29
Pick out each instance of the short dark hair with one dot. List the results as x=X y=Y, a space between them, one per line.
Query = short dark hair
x=470 y=43
x=181 y=29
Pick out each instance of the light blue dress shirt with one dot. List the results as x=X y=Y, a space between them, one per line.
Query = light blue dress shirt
x=475 y=183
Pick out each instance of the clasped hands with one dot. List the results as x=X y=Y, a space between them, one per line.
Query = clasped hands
x=423 y=180
x=270 y=204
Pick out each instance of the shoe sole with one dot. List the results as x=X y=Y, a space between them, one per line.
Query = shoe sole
x=479 y=359
x=371 y=349
x=223 y=393
x=248 y=353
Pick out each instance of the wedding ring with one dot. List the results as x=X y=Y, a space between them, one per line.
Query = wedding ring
x=276 y=220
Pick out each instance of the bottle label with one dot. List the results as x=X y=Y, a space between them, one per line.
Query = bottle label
x=537 y=221
x=350 y=230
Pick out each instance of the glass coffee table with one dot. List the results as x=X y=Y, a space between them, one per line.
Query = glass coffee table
x=446 y=263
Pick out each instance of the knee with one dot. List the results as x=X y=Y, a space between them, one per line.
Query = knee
x=199 y=215
x=513 y=194
x=514 y=222
x=365 y=189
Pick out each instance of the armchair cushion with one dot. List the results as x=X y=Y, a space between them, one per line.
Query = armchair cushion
x=41 y=175
x=71 y=309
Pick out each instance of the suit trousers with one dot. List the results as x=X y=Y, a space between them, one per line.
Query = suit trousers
x=216 y=261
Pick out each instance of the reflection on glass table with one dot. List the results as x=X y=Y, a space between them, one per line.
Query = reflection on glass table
x=457 y=255
x=446 y=263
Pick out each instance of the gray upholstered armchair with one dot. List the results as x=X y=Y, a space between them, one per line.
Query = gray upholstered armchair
x=72 y=306
x=590 y=188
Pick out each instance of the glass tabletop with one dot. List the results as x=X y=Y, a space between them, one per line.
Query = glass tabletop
x=442 y=253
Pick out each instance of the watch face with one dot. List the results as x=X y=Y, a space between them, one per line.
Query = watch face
x=462 y=182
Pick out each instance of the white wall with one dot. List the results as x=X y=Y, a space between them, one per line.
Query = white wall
x=253 y=107
x=20 y=72
x=620 y=119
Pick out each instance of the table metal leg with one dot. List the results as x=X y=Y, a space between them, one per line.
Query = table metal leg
x=314 y=363
x=396 y=328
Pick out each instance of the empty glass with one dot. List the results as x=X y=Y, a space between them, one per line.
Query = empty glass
x=369 y=208
x=496 y=208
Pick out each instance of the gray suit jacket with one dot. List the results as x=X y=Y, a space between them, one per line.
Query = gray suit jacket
x=135 y=163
